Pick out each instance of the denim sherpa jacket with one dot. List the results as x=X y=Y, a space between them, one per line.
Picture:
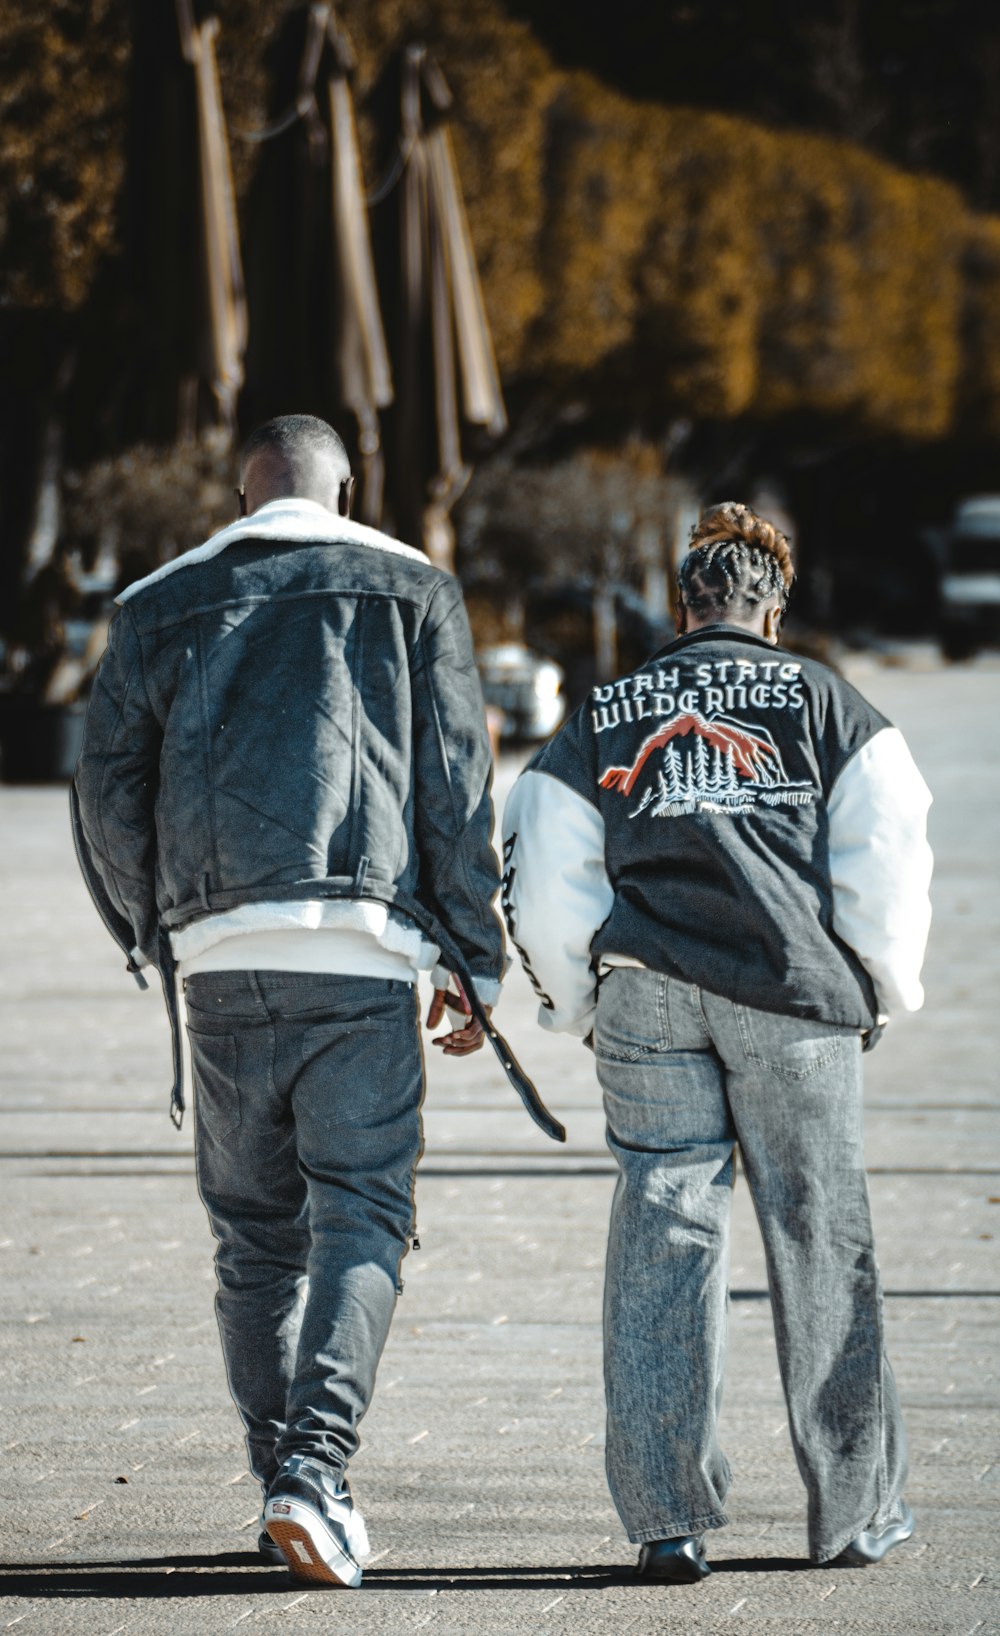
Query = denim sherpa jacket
x=291 y=714
x=733 y=815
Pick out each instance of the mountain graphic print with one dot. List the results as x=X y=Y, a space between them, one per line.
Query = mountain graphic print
x=695 y=763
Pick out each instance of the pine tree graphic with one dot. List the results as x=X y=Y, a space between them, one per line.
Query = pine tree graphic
x=700 y=775
x=663 y=802
x=674 y=770
x=701 y=759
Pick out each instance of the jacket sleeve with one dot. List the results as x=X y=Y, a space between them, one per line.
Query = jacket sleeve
x=115 y=787
x=556 y=894
x=453 y=809
x=880 y=867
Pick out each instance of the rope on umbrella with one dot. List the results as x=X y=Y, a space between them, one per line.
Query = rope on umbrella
x=323 y=26
x=304 y=106
x=379 y=193
x=393 y=174
x=278 y=127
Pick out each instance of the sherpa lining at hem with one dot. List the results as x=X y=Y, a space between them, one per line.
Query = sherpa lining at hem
x=313 y=914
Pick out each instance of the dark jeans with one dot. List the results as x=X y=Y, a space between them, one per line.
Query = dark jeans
x=686 y=1075
x=307 y=1136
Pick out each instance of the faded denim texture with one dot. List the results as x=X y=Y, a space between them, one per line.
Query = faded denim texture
x=307 y=1136
x=289 y=721
x=686 y=1075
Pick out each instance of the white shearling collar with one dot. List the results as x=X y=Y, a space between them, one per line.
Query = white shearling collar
x=301 y=522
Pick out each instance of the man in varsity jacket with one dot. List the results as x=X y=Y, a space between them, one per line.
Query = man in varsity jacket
x=717 y=874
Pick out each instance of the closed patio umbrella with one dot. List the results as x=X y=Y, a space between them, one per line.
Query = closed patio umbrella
x=448 y=374
x=361 y=357
x=317 y=340
x=224 y=332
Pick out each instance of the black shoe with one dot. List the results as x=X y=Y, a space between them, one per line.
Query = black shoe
x=872 y=1544
x=673 y=1561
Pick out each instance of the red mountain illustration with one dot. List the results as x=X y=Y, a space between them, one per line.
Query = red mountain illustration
x=749 y=752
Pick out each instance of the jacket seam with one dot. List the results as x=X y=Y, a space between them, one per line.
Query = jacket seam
x=438 y=729
x=116 y=869
x=443 y=751
x=140 y=664
x=184 y=615
x=854 y=753
x=106 y=768
x=550 y=772
x=357 y=662
x=209 y=756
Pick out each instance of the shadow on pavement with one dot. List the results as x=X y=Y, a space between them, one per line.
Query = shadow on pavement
x=234 y=1573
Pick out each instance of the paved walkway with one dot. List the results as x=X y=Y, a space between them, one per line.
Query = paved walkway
x=126 y=1506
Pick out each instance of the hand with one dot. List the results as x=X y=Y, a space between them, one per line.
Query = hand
x=871 y=1036
x=460 y=1042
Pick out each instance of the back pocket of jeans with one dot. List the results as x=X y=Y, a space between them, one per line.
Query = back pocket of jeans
x=792 y=1047
x=632 y=1021
x=216 y=1092
x=345 y=1036
x=354 y=1059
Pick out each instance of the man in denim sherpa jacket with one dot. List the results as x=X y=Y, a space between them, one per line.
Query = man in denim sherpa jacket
x=284 y=790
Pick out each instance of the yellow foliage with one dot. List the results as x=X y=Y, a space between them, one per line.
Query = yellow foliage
x=698 y=298
x=860 y=268
x=640 y=246
x=979 y=385
x=725 y=267
x=61 y=147
x=732 y=269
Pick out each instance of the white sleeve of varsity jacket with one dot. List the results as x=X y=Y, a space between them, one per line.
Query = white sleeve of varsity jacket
x=556 y=894
x=880 y=866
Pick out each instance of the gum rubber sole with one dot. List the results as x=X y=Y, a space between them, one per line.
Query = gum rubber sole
x=297 y=1545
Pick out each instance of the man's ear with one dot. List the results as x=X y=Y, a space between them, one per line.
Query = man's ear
x=681 y=619
x=346 y=497
x=772 y=624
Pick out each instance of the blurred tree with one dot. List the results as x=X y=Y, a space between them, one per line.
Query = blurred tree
x=62 y=150
x=696 y=259
x=656 y=236
x=917 y=81
x=979 y=387
x=62 y=160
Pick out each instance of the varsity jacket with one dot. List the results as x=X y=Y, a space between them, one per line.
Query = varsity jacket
x=733 y=815
x=286 y=729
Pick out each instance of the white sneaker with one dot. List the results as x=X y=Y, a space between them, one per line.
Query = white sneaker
x=314 y=1524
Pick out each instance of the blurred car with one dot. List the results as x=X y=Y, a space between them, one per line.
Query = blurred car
x=970 y=579
x=561 y=620
x=526 y=687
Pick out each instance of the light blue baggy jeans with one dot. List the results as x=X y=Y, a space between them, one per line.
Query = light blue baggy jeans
x=307 y=1136
x=686 y=1076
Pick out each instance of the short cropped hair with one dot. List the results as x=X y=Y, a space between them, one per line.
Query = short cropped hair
x=298 y=439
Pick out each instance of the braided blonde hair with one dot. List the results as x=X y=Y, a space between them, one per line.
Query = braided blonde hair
x=737 y=558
